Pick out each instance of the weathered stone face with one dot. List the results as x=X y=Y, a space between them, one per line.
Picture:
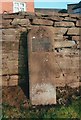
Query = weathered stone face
x=78 y=23
x=64 y=24
x=42 y=22
x=22 y=22
x=41 y=67
x=64 y=44
x=74 y=31
x=55 y=59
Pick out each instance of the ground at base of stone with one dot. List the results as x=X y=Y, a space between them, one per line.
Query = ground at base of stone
x=16 y=105
x=17 y=96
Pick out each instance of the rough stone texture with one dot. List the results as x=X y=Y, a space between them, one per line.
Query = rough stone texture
x=78 y=23
x=66 y=94
x=42 y=22
x=9 y=38
x=42 y=72
x=10 y=80
x=70 y=19
x=58 y=37
x=76 y=16
x=58 y=33
x=6 y=22
x=77 y=38
x=10 y=67
x=64 y=61
x=14 y=40
x=13 y=80
x=22 y=22
x=55 y=18
x=73 y=31
x=63 y=44
x=9 y=46
x=64 y=24
x=63 y=15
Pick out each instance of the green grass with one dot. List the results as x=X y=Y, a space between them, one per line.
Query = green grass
x=70 y=111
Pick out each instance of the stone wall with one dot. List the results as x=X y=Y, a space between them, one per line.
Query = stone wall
x=66 y=30
x=46 y=10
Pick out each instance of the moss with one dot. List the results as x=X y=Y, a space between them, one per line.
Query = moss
x=71 y=111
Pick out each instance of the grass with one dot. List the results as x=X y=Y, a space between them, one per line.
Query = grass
x=71 y=111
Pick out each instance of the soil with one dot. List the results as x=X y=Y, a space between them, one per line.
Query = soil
x=18 y=96
x=14 y=96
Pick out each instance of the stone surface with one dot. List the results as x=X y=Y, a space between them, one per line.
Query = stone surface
x=9 y=16
x=73 y=31
x=10 y=56
x=10 y=31
x=76 y=38
x=9 y=38
x=43 y=94
x=6 y=22
x=63 y=15
x=65 y=63
x=5 y=83
x=0 y=32
x=46 y=13
x=58 y=37
x=63 y=44
x=56 y=65
x=22 y=22
x=56 y=18
x=64 y=24
x=41 y=67
x=59 y=31
x=42 y=22
x=10 y=46
x=9 y=67
x=78 y=23
x=70 y=19
x=5 y=80
x=13 y=80
x=0 y=81
x=67 y=52
x=75 y=16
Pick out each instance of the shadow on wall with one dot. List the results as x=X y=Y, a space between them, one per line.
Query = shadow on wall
x=23 y=64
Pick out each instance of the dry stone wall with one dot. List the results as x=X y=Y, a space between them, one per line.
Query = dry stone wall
x=66 y=29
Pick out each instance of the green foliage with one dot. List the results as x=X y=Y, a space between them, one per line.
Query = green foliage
x=70 y=111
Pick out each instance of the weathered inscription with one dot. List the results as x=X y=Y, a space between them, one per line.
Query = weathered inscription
x=41 y=68
x=39 y=45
